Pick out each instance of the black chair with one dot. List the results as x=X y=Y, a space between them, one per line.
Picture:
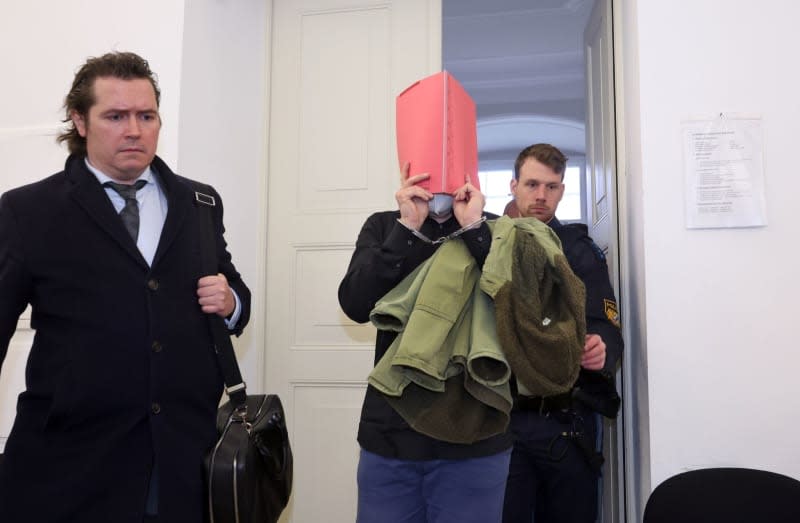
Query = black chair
x=730 y=495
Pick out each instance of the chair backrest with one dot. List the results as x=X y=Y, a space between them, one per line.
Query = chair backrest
x=730 y=495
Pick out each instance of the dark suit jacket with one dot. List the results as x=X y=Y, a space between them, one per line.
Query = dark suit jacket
x=122 y=369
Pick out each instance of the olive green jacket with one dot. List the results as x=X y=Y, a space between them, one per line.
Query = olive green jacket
x=448 y=371
x=445 y=372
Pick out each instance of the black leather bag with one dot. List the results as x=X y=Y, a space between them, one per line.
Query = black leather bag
x=249 y=470
x=250 y=467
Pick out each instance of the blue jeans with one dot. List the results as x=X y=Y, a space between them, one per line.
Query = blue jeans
x=436 y=491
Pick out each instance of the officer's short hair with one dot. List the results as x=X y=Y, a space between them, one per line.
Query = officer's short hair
x=544 y=153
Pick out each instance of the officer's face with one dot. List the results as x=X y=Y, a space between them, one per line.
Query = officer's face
x=538 y=190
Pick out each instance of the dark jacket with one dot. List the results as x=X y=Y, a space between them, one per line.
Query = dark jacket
x=122 y=370
x=385 y=253
x=596 y=389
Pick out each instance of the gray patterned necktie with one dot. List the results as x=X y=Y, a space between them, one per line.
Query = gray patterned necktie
x=129 y=213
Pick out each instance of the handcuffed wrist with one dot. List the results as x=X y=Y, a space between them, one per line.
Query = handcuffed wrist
x=407 y=225
x=450 y=236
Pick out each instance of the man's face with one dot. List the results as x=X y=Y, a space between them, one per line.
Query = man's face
x=538 y=190
x=122 y=126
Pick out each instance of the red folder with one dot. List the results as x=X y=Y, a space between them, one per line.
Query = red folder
x=436 y=133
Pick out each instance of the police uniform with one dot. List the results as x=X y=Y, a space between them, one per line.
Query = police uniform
x=555 y=468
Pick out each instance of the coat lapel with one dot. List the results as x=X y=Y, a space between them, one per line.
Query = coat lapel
x=90 y=195
x=179 y=204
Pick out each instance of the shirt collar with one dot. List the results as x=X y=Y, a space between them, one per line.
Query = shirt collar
x=147 y=175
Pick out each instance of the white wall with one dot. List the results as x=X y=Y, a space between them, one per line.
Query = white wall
x=41 y=46
x=720 y=305
x=223 y=126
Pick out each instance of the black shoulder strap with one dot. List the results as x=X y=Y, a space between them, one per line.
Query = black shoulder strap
x=234 y=385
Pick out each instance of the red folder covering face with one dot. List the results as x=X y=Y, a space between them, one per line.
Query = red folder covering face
x=436 y=133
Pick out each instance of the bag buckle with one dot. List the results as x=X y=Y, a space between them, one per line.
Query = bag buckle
x=205 y=199
x=235 y=388
x=239 y=415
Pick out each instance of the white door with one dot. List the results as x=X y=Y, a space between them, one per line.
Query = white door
x=602 y=210
x=337 y=66
x=600 y=140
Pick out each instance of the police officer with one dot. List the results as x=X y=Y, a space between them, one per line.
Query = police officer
x=555 y=469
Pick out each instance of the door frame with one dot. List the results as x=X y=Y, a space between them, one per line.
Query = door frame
x=635 y=432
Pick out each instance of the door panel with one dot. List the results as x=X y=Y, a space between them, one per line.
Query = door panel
x=600 y=141
x=337 y=66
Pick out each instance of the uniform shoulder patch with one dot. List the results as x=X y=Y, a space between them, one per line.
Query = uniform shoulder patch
x=612 y=313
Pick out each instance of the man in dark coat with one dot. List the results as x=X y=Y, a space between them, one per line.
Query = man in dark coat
x=555 y=469
x=122 y=382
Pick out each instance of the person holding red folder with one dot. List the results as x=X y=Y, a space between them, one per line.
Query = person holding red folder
x=404 y=475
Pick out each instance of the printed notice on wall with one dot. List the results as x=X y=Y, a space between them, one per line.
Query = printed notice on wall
x=724 y=173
